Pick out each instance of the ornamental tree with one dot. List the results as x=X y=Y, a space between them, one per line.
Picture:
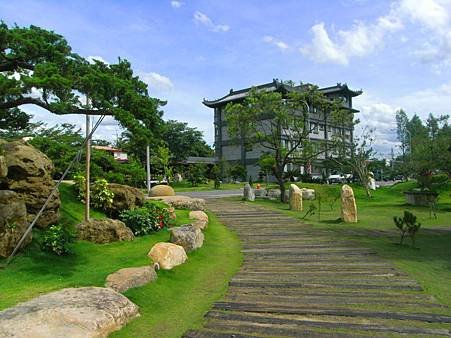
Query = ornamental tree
x=279 y=123
x=38 y=67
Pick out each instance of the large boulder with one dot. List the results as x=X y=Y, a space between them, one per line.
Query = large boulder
x=128 y=278
x=162 y=190
x=200 y=219
x=104 y=230
x=13 y=222
x=182 y=202
x=187 y=236
x=248 y=193
x=125 y=198
x=167 y=255
x=73 y=312
x=29 y=174
x=348 y=205
x=295 y=198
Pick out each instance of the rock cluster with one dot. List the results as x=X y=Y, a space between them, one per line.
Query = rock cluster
x=29 y=174
x=104 y=230
x=182 y=202
x=348 y=206
x=128 y=278
x=295 y=198
x=73 y=312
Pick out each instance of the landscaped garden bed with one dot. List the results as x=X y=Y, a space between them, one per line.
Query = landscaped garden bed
x=175 y=302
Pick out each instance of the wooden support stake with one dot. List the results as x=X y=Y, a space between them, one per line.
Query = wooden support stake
x=148 y=168
x=88 y=166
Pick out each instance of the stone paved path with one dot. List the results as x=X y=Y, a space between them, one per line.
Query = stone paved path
x=297 y=281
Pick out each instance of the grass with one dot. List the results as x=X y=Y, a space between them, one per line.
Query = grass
x=430 y=263
x=186 y=186
x=173 y=304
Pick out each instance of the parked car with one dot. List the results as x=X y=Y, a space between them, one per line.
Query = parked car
x=337 y=178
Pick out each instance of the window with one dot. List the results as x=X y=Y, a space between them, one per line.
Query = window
x=321 y=127
x=314 y=128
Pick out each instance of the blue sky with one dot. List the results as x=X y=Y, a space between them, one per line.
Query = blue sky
x=398 y=51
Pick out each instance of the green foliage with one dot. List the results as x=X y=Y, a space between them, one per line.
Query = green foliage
x=101 y=195
x=407 y=225
x=196 y=173
x=237 y=172
x=57 y=240
x=63 y=79
x=147 y=219
x=161 y=162
x=80 y=186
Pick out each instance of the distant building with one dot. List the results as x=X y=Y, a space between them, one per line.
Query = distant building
x=228 y=150
x=118 y=155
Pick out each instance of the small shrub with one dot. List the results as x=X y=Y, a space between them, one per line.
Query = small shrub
x=80 y=186
x=147 y=219
x=101 y=195
x=56 y=240
x=407 y=225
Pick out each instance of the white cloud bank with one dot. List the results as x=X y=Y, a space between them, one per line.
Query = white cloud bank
x=202 y=19
x=363 y=38
x=177 y=4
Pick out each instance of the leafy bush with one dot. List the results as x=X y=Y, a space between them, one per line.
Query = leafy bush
x=147 y=219
x=196 y=174
x=101 y=195
x=407 y=224
x=56 y=240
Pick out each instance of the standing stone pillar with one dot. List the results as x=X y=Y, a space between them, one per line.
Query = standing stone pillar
x=348 y=206
x=295 y=198
x=249 y=194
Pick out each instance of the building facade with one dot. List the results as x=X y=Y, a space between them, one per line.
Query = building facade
x=235 y=152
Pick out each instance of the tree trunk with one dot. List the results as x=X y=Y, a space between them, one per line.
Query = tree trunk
x=281 y=183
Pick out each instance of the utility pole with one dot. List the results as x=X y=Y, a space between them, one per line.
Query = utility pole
x=88 y=164
x=148 y=168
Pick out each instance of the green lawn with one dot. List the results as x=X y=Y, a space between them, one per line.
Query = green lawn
x=186 y=186
x=176 y=302
x=430 y=264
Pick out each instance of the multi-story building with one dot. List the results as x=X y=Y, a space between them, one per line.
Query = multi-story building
x=321 y=128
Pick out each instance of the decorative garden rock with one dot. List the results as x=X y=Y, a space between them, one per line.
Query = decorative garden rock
x=274 y=194
x=167 y=255
x=162 y=190
x=348 y=205
x=260 y=192
x=171 y=212
x=73 y=312
x=295 y=198
x=13 y=222
x=29 y=174
x=248 y=193
x=128 y=278
x=308 y=194
x=104 y=230
x=198 y=214
x=182 y=202
x=187 y=236
x=125 y=198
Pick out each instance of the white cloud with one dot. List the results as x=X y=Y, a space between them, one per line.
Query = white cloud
x=203 y=19
x=157 y=81
x=278 y=43
x=92 y=58
x=177 y=4
x=363 y=38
